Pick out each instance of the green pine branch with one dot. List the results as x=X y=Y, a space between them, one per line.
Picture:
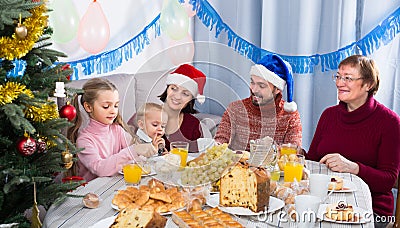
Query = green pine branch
x=15 y=114
x=17 y=172
x=11 y=10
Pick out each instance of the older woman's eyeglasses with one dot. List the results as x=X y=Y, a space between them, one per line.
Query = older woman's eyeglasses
x=346 y=79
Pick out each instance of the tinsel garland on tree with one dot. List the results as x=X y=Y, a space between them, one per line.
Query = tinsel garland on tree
x=31 y=142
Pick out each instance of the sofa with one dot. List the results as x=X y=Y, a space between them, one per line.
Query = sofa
x=136 y=89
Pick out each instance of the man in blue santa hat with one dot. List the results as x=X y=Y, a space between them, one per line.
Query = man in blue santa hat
x=264 y=113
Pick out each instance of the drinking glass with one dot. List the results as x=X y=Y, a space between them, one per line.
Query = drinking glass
x=294 y=169
x=145 y=166
x=180 y=148
x=263 y=152
x=275 y=173
x=132 y=174
x=288 y=149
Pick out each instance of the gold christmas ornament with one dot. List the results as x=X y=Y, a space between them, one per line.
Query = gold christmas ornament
x=66 y=157
x=14 y=47
x=11 y=90
x=35 y=220
x=68 y=165
x=21 y=31
x=42 y=113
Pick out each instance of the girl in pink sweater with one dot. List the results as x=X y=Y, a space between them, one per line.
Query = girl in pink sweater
x=107 y=142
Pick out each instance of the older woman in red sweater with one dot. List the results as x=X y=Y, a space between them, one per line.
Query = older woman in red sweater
x=360 y=135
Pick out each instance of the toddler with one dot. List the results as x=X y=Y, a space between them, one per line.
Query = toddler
x=151 y=120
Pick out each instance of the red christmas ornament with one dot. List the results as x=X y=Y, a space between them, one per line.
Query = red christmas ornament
x=26 y=146
x=41 y=146
x=68 y=111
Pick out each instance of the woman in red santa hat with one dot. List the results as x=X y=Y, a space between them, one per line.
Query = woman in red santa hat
x=184 y=85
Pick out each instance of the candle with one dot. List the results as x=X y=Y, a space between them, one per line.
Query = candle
x=60 y=91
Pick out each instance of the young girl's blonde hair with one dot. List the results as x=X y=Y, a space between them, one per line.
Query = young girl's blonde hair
x=91 y=90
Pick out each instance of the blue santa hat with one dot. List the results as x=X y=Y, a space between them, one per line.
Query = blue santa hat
x=279 y=72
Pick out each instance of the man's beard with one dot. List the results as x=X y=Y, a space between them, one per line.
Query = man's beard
x=263 y=103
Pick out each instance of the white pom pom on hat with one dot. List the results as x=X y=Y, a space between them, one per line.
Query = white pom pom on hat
x=190 y=78
x=279 y=72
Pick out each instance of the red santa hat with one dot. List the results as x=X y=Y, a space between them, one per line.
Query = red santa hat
x=190 y=78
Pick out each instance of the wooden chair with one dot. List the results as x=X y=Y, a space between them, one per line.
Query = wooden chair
x=397 y=215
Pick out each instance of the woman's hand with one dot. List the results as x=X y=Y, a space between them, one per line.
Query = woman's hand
x=338 y=163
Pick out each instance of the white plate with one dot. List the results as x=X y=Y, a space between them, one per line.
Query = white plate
x=161 y=158
x=362 y=215
x=152 y=173
x=348 y=186
x=274 y=205
x=115 y=207
x=104 y=223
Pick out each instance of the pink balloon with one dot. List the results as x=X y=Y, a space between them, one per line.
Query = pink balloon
x=94 y=30
x=189 y=8
x=181 y=51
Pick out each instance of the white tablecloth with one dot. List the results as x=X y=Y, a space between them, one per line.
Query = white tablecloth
x=72 y=213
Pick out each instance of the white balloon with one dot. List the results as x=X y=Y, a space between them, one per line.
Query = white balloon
x=64 y=20
x=174 y=20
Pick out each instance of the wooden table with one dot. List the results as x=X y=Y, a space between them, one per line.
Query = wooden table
x=72 y=213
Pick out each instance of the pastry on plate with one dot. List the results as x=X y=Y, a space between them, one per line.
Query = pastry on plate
x=336 y=183
x=340 y=212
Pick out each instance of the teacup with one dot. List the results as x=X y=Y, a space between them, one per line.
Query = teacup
x=306 y=210
x=319 y=184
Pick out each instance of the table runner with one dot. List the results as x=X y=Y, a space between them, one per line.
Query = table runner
x=72 y=213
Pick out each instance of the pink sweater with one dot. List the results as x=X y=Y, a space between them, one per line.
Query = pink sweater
x=369 y=136
x=243 y=121
x=106 y=150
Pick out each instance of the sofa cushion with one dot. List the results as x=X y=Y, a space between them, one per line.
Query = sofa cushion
x=149 y=86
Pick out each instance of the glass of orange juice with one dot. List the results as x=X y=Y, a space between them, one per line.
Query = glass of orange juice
x=180 y=148
x=293 y=170
x=288 y=149
x=132 y=174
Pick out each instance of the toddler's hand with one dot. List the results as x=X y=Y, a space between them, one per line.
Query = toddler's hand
x=157 y=141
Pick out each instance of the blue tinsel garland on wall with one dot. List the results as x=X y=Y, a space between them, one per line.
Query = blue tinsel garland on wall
x=111 y=60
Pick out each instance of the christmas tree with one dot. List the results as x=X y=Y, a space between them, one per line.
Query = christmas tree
x=32 y=148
